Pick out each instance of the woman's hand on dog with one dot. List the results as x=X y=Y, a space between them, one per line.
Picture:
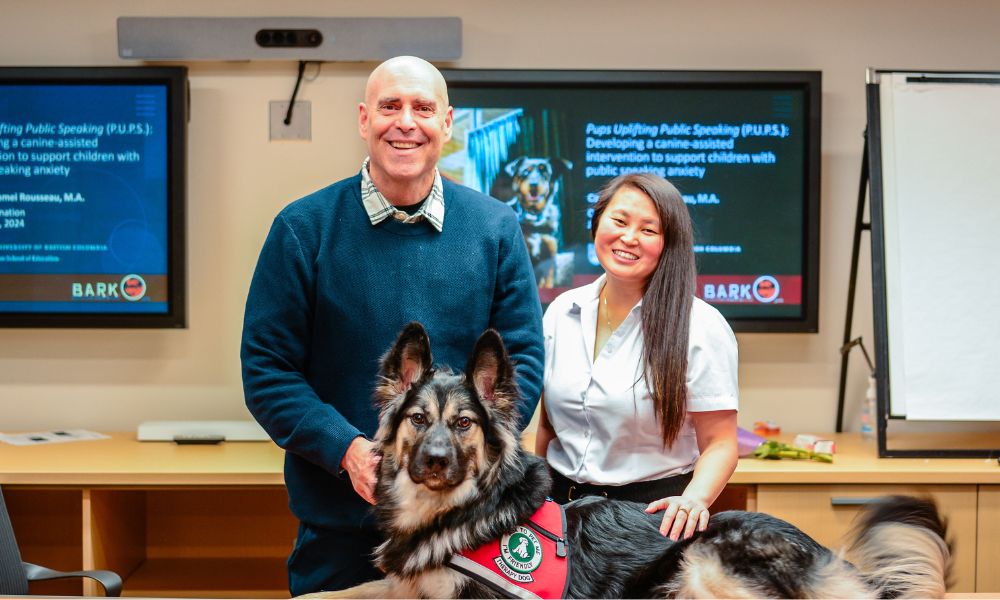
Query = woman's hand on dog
x=361 y=463
x=682 y=516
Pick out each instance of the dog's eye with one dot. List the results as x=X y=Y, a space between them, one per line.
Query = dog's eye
x=418 y=419
x=463 y=423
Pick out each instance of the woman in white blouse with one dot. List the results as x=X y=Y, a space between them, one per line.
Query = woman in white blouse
x=640 y=392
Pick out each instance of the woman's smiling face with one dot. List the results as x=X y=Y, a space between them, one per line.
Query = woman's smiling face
x=629 y=237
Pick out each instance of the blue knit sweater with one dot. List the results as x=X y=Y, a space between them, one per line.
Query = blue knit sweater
x=330 y=294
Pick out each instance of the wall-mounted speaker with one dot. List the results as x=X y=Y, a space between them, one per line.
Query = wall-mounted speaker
x=289 y=38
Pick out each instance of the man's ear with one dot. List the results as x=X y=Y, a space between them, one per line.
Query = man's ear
x=449 y=120
x=491 y=371
x=363 y=120
x=408 y=359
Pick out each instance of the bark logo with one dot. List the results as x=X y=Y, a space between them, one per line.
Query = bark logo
x=766 y=289
x=133 y=287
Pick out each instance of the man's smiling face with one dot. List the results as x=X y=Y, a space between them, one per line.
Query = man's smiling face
x=406 y=120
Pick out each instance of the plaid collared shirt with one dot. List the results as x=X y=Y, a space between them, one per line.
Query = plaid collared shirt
x=380 y=209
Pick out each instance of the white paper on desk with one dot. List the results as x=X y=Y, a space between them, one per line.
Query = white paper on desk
x=55 y=436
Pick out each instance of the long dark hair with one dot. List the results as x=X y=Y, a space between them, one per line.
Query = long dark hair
x=666 y=298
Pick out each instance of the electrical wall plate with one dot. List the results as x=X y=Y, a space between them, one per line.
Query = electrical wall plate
x=334 y=38
x=300 y=127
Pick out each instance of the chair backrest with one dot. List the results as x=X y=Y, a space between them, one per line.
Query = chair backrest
x=13 y=581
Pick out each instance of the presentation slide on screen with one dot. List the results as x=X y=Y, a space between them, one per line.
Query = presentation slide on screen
x=83 y=198
x=737 y=157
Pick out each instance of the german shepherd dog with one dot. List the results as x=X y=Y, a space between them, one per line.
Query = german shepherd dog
x=535 y=183
x=453 y=475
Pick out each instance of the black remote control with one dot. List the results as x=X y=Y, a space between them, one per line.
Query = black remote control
x=201 y=439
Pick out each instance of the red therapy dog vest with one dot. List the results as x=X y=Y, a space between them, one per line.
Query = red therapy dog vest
x=531 y=562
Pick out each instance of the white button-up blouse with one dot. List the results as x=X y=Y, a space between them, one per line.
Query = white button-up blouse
x=601 y=410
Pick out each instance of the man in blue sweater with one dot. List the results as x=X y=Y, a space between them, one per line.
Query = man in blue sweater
x=341 y=272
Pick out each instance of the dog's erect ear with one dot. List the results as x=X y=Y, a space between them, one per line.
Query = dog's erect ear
x=408 y=358
x=511 y=167
x=560 y=166
x=491 y=371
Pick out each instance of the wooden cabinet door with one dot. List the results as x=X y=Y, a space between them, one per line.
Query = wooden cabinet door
x=988 y=540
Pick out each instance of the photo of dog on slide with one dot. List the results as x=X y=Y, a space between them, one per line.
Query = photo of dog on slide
x=455 y=483
x=534 y=185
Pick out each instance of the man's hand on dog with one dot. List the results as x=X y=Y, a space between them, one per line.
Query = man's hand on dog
x=361 y=463
x=682 y=516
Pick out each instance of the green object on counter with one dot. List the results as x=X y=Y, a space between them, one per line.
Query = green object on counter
x=773 y=450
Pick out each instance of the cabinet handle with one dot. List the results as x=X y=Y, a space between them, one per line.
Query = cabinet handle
x=848 y=501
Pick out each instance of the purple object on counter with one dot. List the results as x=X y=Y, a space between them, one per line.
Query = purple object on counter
x=747 y=441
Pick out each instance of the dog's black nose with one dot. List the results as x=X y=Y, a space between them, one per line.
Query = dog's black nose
x=436 y=462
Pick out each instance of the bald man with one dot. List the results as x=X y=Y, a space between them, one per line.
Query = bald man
x=341 y=272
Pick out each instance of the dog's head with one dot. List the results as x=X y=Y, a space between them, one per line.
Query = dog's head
x=533 y=180
x=438 y=428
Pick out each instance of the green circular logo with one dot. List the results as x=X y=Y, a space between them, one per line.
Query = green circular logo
x=521 y=550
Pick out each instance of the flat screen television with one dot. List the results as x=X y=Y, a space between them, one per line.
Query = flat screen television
x=743 y=148
x=92 y=196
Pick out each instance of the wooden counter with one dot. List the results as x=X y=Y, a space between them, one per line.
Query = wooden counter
x=123 y=461
x=174 y=520
x=213 y=521
x=857 y=461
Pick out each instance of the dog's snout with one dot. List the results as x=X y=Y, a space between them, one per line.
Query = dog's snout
x=436 y=460
x=437 y=452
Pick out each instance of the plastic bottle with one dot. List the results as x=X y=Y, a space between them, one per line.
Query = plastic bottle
x=868 y=411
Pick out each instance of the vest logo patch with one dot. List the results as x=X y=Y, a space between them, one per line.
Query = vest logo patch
x=520 y=554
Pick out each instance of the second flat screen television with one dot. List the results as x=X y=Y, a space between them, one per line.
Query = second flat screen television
x=742 y=148
x=92 y=196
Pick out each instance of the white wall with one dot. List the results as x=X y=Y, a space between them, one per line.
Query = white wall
x=111 y=379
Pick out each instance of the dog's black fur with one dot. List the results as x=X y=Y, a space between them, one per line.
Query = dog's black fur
x=454 y=476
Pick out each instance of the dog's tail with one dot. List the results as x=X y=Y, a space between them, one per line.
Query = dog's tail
x=900 y=545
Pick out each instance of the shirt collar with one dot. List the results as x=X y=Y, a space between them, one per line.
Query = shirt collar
x=588 y=295
x=380 y=209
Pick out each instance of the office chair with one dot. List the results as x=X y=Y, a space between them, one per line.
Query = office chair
x=15 y=574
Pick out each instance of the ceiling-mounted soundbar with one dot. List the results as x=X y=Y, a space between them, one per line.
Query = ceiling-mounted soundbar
x=289 y=38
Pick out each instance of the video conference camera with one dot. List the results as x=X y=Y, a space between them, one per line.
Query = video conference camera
x=289 y=38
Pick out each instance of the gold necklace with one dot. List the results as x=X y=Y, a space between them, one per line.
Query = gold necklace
x=607 y=313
